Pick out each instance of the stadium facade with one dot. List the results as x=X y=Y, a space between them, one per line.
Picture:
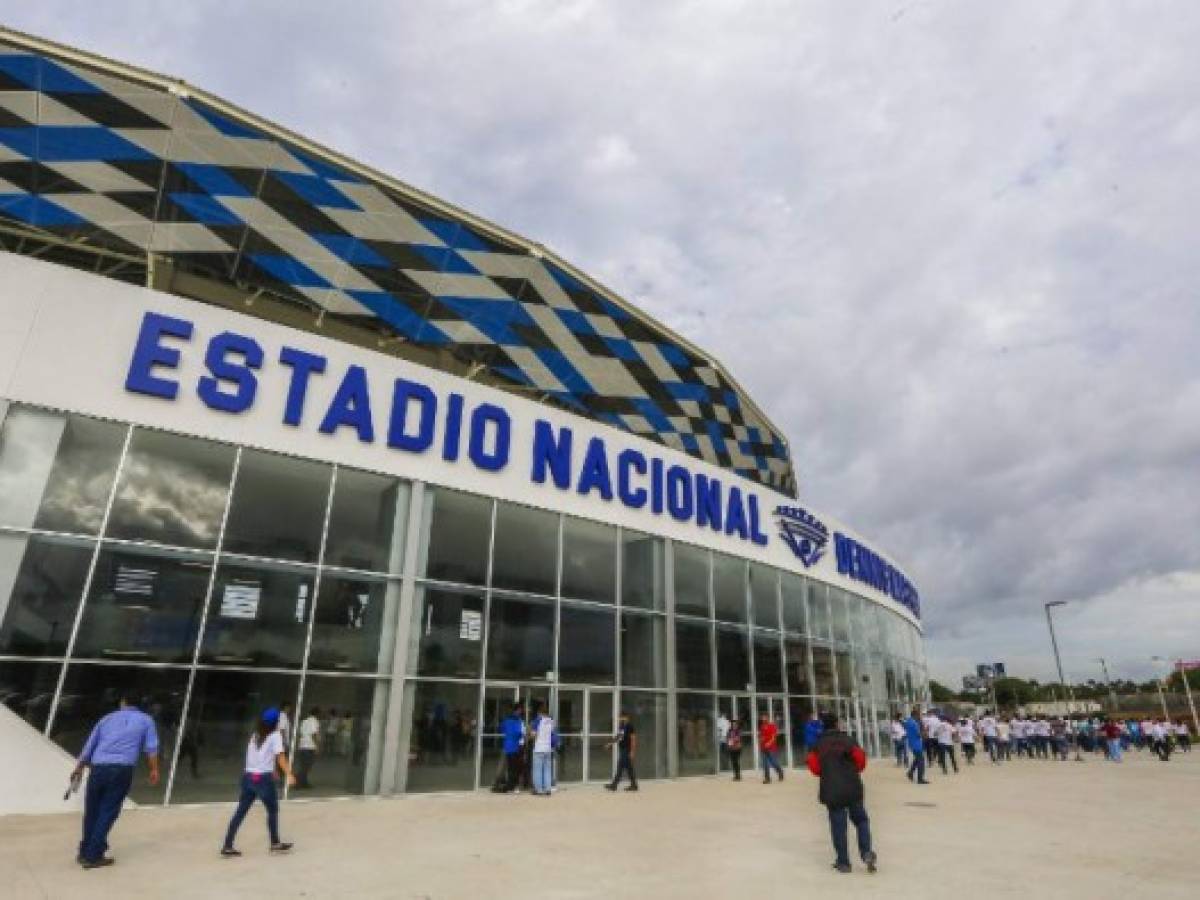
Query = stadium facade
x=277 y=428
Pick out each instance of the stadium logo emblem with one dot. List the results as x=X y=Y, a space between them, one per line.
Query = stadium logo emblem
x=803 y=532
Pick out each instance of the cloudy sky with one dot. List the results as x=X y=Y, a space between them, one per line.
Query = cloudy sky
x=950 y=248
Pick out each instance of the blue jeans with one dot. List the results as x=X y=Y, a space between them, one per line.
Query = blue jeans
x=918 y=765
x=769 y=762
x=1114 y=750
x=543 y=770
x=857 y=813
x=107 y=788
x=260 y=787
x=901 y=747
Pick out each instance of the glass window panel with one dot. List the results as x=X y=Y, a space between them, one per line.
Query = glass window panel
x=224 y=712
x=278 y=507
x=792 y=588
x=643 y=654
x=733 y=659
x=768 y=663
x=526 y=554
x=845 y=673
x=729 y=588
x=457 y=536
x=796 y=652
x=144 y=604
x=587 y=645
x=448 y=633
x=27 y=688
x=764 y=596
x=691 y=581
x=366 y=522
x=354 y=626
x=41 y=582
x=349 y=714
x=441 y=753
x=822 y=659
x=838 y=610
x=697 y=734
x=818 y=609
x=601 y=720
x=93 y=691
x=258 y=615
x=172 y=490
x=642 y=571
x=521 y=640
x=648 y=713
x=589 y=561
x=693 y=655
x=56 y=471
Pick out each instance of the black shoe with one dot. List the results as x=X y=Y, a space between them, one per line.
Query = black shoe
x=767 y=780
x=610 y=787
x=632 y=787
x=870 y=859
x=79 y=858
x=924 y=782
x=844 y=868
x=281 y=847
x=229 y=851
x=98 y=863
x=910 y=776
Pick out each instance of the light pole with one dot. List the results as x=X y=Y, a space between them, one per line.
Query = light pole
x=1183 y=673
x=1112 y=695
x=1161 y=695
x=1058 y=662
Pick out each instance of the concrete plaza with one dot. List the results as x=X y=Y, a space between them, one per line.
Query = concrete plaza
x=1030 y=828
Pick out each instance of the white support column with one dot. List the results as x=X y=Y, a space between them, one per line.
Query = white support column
x=669 y=655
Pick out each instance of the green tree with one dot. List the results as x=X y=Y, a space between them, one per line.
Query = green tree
x=940 y=693
x=1011 y=692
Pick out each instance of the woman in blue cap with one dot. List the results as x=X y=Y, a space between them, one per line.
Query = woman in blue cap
x=263 y=754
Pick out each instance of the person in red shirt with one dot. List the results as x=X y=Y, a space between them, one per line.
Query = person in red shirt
x=768 y=742
x=838 y=761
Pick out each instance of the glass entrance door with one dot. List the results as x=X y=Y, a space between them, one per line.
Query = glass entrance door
x=585 y=726
x=737 y=708
x=498 y=703
x=774 y=708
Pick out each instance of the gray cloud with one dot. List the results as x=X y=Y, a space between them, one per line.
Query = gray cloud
x=948 y=249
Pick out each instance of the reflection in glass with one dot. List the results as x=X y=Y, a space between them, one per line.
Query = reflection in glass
x=448 y=633
x=643 y=654
x=839 y=602
x=589 y=567
x=733 y=658
x=796 y=650
x=818 y=609
x=822 y=659
x=27 y=688
x=354 y=624
x=41 y=581
x=696 y=734
x=693 y=655
x=93 y=691
x=763 y=596
x=348 y=715
x=792 y=588
x=768 y=663
x=691 y=581
x=441 y=752
x=457 y=534
x=648 y=713
x=172 y=490
x=642 y=571
x=366 y=510
x=278 y=507
x=258 y=615
x=144 y=604
x=521 y=638
x=56 y=471
x=587 y=645
x=526 y=554
x=224 y=710
x=729 y=588
x=845 y=673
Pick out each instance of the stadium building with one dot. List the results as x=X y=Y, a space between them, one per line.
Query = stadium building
x=275 y=427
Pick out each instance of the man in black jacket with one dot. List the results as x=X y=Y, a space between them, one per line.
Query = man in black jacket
x=838 y=761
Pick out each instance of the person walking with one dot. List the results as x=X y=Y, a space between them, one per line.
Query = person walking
x=544 y=740
x=310 y=743
x=625 y=741
x=1004 y=740
x=733 y=746
x=966 y=737
x=1183 y=735
x=285 y=725
x=916 y=747
x=945 y=740
x=930 y=724
x=264 y=753
x=812 y=733
x=1159 y=740
x=838 y=761
x=512 y=729
x=899 y=741
x=722 y=737
x=110 y=754
x=768 y=744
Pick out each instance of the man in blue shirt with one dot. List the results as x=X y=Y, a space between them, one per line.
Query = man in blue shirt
x=916 y=746
x=812 y=733
x=513 y=731
x=111 y=752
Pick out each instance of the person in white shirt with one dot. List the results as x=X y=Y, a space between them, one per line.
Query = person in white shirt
x=1159 y=742
x=309 y=743
x=945 y=740
x=263 y=753
x=929 y=727
x=543 y=753
x=1004 y=740
x=899 y=741
x=966 y=737
x=722 y=736
x=285 y=726
x=1183 y=735
x=987 y=726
